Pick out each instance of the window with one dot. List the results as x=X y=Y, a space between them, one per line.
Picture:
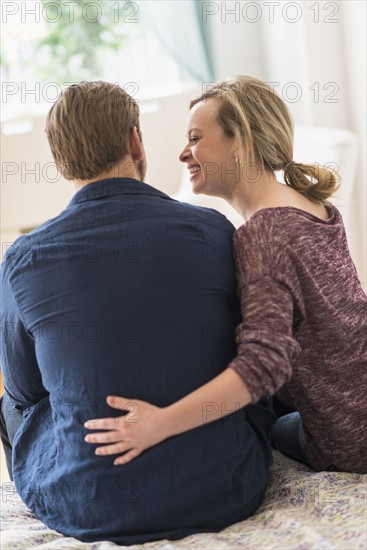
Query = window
x=46 y=45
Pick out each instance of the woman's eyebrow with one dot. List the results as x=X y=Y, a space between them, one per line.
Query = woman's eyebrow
x=192 y=130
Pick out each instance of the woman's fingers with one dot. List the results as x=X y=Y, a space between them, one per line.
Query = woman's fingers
x=116 y=430
x=127 y=457
x=118 y=402
x=104 y=437
x=114 y=449
x=104 y=423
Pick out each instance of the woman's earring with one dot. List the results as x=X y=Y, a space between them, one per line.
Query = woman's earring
x=237 y=160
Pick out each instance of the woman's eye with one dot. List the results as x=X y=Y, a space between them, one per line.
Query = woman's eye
x=193 y=139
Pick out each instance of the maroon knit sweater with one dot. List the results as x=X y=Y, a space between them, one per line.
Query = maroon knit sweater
x=304 y=329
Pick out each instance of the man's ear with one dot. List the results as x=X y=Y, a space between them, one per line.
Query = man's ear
x=135 y=145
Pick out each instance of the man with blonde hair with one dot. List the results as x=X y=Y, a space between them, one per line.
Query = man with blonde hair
x=126 y=291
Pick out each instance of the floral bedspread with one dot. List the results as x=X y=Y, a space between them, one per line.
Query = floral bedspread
x=302 y=510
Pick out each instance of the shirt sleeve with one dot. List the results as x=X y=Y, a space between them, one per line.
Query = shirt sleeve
x=266 y=346
x=22 y=377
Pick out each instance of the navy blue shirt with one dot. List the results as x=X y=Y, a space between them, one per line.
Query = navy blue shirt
x=129 y=292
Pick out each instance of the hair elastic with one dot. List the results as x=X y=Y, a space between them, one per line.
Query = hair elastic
x=288 y=165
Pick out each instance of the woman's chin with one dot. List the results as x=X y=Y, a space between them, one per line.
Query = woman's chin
x=200 y=187
x=197 y=187
x=203 y=189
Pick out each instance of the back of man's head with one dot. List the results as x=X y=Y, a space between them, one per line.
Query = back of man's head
x=88 y=128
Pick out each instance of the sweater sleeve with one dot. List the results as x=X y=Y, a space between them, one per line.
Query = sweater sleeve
x=266 y=287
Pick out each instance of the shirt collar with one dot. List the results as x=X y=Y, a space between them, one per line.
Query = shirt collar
x=115 y=186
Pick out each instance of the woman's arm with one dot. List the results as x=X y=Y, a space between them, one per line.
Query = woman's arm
x=147 y=425
x=223 y=395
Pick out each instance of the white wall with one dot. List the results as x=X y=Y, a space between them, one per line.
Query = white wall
x=330 y=53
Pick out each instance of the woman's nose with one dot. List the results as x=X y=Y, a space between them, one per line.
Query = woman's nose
x=185 y=155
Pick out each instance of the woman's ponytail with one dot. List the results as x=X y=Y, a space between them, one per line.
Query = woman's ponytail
x=325 y=183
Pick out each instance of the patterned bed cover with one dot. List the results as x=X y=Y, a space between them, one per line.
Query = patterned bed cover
x=302 y=510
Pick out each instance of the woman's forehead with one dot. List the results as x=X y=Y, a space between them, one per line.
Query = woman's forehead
x=203 y=113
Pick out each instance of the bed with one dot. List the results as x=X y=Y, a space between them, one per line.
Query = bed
x=302 y=510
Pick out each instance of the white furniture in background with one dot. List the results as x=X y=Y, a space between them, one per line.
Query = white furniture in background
x=334 y=147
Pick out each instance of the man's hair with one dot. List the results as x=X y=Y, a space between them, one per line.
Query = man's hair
x=88 y=128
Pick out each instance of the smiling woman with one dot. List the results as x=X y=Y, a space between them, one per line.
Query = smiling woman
x=206 y=143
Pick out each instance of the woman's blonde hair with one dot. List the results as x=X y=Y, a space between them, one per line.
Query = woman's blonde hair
x=252 y=113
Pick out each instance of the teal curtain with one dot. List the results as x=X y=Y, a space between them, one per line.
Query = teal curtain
x=180 y=28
